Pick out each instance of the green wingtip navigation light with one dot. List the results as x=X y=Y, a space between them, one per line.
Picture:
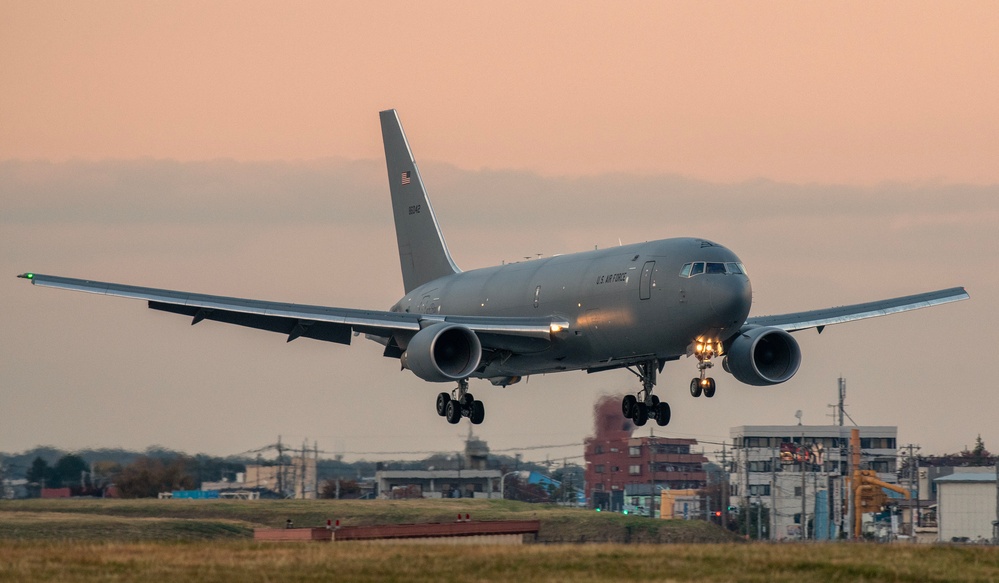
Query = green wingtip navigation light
x=27 y=275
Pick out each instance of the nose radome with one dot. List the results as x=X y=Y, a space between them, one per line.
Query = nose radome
x=731 y=298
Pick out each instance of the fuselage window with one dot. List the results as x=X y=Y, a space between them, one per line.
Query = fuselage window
x=697 y=269
x=685 y=272
x=715 y=268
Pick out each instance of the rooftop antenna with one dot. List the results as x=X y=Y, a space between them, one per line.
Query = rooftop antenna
x=798 y=415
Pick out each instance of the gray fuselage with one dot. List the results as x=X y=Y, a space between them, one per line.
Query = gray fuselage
x=624 y=304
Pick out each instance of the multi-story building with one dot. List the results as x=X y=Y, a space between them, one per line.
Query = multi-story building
x=625 y=472
x=779 y=465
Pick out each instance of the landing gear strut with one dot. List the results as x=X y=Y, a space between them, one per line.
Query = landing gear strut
x=645 y=405
x=460 y=403
x=704 y=351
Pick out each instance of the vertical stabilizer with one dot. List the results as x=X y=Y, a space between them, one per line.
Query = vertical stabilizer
x=422 y=250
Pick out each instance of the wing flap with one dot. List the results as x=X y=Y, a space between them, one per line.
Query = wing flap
x=319 y=322
x=825 y=317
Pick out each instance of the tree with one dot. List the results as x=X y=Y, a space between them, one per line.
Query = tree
x=69 y=469
x=39 y=476
x=349 y=489
x=979 y=456
x=147 y=476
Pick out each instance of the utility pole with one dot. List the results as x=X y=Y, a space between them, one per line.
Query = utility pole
x=280 y=476
x=745 y=459
x=801 y=456
x=302 y=479
x=773 y=492
x=842 y=399
x=913 y=487
x=724 y=486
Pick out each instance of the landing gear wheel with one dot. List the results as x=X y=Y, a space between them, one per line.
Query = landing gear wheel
x=453 y=412
x=654 y=402
x=641 y=414
x=442 y=400
x=709 y=388
x=478 y=413
x=695 y=388
x=467 y=399
x=663 y=414
x=628 y=406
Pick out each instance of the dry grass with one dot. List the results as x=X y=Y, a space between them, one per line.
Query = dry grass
x=184 y=540
x=79 y=561
x=237 y=518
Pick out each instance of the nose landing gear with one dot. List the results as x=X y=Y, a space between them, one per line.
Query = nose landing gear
x=704 y=352
x=645 y=405
x=460 y=403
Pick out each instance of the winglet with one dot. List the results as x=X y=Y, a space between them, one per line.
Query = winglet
x=28 y=275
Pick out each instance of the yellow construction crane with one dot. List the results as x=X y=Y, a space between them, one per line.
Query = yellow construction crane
x=868 y=491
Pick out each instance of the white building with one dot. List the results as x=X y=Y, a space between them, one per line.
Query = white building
x=766 y=469
x=966 y=506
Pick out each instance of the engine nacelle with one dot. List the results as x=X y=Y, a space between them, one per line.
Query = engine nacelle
x=762 y=356
x=443 y=352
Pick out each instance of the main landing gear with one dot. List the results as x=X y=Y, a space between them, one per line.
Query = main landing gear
x=460 y=403
x=645 y=405
x=704 y=351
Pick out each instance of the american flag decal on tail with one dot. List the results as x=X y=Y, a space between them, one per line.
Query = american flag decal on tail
x=405 y=177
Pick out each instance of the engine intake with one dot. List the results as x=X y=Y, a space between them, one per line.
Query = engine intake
x=443 y=352
x=762 y=356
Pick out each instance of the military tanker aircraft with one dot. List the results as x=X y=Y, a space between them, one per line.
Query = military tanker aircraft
x=633 y=307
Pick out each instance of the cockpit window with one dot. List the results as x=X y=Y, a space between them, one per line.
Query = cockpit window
x=712 y=268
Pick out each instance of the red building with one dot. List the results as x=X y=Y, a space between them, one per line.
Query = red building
x=625 y=471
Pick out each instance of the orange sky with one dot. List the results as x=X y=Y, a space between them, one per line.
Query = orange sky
x=845 y=92
x=552 y=129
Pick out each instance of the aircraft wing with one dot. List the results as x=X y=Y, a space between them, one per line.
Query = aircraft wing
x=318 y=322
x=822 y=318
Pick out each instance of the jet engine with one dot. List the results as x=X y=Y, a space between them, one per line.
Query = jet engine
x=443 y=352
x=762 y=356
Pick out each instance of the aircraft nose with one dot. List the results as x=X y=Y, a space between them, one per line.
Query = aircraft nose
x=731 y=299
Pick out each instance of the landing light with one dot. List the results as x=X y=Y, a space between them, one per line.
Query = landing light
x=556 y=328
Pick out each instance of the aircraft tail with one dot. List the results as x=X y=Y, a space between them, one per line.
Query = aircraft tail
x=422 y=250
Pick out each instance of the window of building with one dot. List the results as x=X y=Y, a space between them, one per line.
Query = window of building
x=615 y=468
x=598 y=449
x=598 y=468
x=759 y=490
x=599 y=487
x=881 y=467
x=797 y=491
x=635 y=470
x=634 y=451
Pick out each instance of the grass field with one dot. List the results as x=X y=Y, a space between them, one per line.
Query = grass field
x=179 y=520
x=78 y=561
x=182 y=540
